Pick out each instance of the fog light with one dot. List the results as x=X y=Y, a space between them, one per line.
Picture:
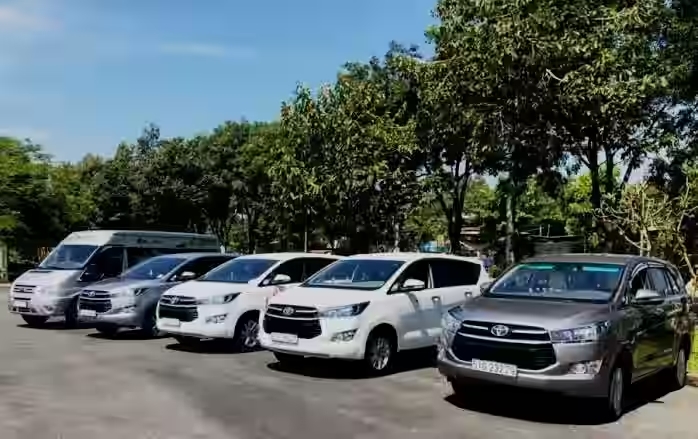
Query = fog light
x=344 y=336
x=586 y=368
x=220 y=318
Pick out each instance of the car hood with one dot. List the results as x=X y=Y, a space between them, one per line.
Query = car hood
x=118 y=283
x=534 y=312
x=44 y=277
x=205 y=289
x=322 y=298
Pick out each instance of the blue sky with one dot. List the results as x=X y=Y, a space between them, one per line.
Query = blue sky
x=79 y=76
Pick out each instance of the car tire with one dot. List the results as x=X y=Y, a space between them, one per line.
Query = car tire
x=71 y=314
x=149 y=326
x=679 y=373
x=613 y=405
x=35 y=321
x=380 y=353
x=187 y=341
x=108 y=330
x=288 y=359
x=246 y=331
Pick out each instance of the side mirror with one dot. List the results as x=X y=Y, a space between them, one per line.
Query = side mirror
x=280 y=279
x=185 y=276
x=646 y=297
x=485 y=286
x=412 y=285
x=90 y=274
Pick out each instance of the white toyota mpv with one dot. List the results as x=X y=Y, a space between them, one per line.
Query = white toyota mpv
x=226 y=302
x=368 y=307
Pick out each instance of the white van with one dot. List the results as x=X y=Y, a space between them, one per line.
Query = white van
x=226 y=302
x=86 y=257
x=368 y=307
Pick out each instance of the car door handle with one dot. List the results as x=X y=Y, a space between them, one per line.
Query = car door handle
x=436 y=299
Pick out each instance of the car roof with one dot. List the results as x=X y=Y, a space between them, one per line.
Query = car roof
x=599 y=258
x=413 y=256
x=284 y=256
x=192 y=255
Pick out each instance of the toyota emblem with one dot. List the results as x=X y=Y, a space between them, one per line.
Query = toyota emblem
x=174 y=300
x=287 y=311
x=500 y=330
x=91 y=294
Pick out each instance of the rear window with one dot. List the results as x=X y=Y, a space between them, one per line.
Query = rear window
x=560 y=281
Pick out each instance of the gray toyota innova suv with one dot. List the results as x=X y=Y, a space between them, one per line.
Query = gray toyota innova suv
x=581 y=324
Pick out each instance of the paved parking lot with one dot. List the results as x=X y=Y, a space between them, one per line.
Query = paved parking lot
x=73 y=384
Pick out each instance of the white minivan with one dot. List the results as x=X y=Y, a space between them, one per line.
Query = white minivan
x=226 y=302
x=368 y=307
x=82 y=258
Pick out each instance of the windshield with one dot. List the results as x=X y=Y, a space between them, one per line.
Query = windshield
x=355 y=274
x=240 y=271
x=155 y=268
x=560 y=281
x=68 y=257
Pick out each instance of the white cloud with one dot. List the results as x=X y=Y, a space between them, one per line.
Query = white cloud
x=24 y=17
x=206 y=50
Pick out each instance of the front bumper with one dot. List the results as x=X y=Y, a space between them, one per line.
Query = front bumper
x=200 y=327
x=554 y=379
x=322 y=346
x=39 y=305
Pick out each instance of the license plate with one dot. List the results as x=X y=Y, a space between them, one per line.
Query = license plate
x=284 y=338
x=87 y=313
x=170 y=322
x=508 y=370
x=20 y=304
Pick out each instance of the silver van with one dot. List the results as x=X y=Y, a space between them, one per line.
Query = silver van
x=82 y=258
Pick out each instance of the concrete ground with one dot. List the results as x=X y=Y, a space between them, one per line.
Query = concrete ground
x=74 y=384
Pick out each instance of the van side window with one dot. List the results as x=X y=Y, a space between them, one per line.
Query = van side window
x=136 y=255
x=110 y=261
x=451 y=273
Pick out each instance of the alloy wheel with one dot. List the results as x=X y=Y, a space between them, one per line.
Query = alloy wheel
x=681 y=368
x=249 y=334
x=381 y=351
x=617 y=392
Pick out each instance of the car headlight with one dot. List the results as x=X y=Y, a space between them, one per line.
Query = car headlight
x=344 y=311
x=450 y=323
x=126 y=292
x=583 y=334
x=217 y=300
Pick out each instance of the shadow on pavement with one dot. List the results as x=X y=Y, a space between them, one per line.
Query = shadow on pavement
x=126 y=334
x=207 y=347
x=59 y=325
x=352 y=370
x=536 y=406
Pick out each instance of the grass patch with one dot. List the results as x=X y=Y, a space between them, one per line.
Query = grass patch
x=693 y=360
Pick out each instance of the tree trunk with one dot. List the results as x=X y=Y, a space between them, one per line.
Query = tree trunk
x=510 y=257
x=595 y=180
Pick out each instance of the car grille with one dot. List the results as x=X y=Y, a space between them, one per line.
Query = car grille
x=23 y=289
x=182 y=308
x=525 y=347
x=302 y=321
x=98 y=301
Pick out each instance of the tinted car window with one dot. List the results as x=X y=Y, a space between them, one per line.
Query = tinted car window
x=240 y=270
x=313 y=265
x=153 y=268
x=640 y=281
x=659 y=281
x=451 y=273
x=417 y=270
x=201 y=266
x=293 y=269
x=110 y=261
